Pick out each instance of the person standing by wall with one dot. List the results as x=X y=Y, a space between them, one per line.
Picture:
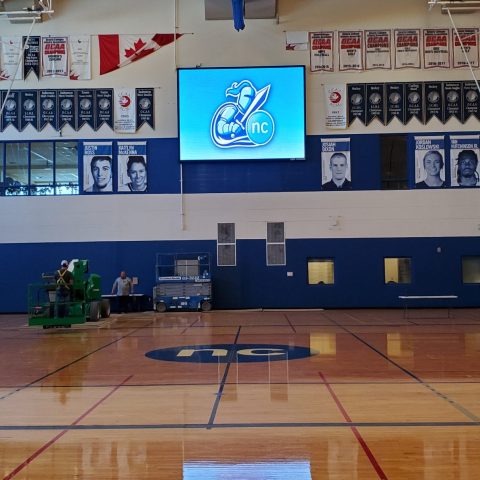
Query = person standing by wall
x=123 y=287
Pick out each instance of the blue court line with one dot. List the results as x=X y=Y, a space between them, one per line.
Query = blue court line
x=208 y=426
x=439 y=394
x=222 y=384
x=23 y=387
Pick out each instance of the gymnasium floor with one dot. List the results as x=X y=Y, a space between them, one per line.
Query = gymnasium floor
x=371 y=395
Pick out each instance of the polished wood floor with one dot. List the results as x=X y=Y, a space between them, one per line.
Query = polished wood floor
x=380 y=397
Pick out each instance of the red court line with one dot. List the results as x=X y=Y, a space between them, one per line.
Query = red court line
x=62 y=433
x=381 y=474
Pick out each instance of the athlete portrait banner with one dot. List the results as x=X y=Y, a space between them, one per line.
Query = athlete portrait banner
x=132 y=166
x=378 y=49
x=124 y=110
x=350 y=50
x=10 y=51
x=55 y=57
x=436 y=48
x=80 y=63
x=336 y=163
x=407 y=48
x=356 y=103
x=429 y=155
x=468 y=37
x=31 y=56
x=464 y=165
x=336 y=106
x=322 y=46
x=97 y=167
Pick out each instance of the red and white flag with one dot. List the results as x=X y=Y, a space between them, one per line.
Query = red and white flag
x=116 y=51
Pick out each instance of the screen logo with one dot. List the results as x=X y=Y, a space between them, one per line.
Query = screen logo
x=230 y=353
x=242 y=123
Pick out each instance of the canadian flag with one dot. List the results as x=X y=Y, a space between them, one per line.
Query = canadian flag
x=116 y=51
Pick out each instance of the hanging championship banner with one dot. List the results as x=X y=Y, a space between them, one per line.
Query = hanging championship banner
x=11 y=49
x=132 y=166
x=471 y=101
x=429 y=162
x=378 y=48
x=66 y=108
x=54 y=57
x=322 y=46
x=296 y=40
x=145 y=107
x=124 y=111
x=10 y=114
x=31 y=57
x=80 y=64
x=97 y=167
x=85 y=108
x=433 y=101
x=436 y=48
x=395 y=102
x=104 y=108
x=336 y=169
x=48 y=109
x=464 y=165
x=336 y=106
x=414 y=102
x=350 y=50
x=407 y=48
x=375 y=102
x=468 y=37
x=452 y=94
x=356 y=103
x=28 y=109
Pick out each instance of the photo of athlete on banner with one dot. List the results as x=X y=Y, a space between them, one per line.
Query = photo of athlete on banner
x=132 y=167
x=429 y=162
x=464 y=170
x=336 y=173
x=97 y=167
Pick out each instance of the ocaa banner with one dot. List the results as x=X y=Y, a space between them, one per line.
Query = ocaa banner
x=429 y=162
x=336 y=174
x=336 y=106
x=464 y=170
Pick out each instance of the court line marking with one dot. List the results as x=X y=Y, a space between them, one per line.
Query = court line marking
x=453 y=403
x=19 y=389
x=289 y=322
x=371 y=457
x=44 y=447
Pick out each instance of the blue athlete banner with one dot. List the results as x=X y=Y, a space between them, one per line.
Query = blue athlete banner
x=464 y=168
x=132 y=166
x=336 y=169
x=429 y=162
x=97 y=167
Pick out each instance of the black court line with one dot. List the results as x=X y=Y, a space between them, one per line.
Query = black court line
x=222 y=383
x=208 y=426
x=189 y=326
x=289 y=322
x=439 y=394
x=23 y=387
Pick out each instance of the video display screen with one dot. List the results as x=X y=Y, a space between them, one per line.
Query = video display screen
x=241 y=113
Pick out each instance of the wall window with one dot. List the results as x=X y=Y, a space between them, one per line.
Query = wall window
x=276 y=244
x=226 y=245
x=471 y=269
x=393 y=150
x=39 y=168
x=320 y=271
x=398 y=270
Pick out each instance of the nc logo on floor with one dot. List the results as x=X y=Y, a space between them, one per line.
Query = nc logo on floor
x=230 y=353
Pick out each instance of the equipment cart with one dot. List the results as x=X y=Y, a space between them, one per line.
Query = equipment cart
x=183 y=282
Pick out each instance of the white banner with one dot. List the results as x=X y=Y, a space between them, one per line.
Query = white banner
x=132 y=166
x=336 y=169
x=436 y=48
x=10 y=51
x=322 y=46
x=80 y=64
x=124 y=111
x=296 y=41
x=464 y=169
x=407 y=48
x=350 y=48
x=54 y=57
x=469 y=39
x=378 y=49
x=336 y=106
x=429 y=162
x=97 y=167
